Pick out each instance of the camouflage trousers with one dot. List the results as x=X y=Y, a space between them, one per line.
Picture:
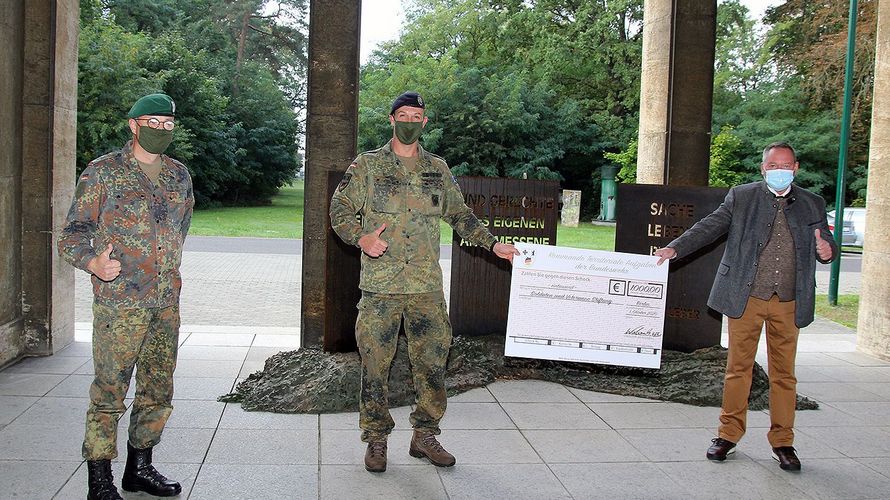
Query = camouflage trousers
x=429 y=338
x=124 y=339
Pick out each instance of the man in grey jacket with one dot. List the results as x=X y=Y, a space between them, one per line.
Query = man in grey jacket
x=776 y=232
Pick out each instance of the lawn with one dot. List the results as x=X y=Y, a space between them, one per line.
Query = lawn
x=284 y=219
x=845 y=312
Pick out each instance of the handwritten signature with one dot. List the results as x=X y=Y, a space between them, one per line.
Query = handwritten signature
x=641 y=331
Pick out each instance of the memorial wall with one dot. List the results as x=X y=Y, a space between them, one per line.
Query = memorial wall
x=648 y=218
x=515 y=211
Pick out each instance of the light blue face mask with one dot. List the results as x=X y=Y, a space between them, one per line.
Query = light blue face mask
x=779 y=179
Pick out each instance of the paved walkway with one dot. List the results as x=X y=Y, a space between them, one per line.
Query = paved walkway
x=513 y=439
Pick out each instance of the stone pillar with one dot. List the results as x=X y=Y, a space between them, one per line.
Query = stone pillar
x=12 y=39
x=330 y=268
x=873 y=327
x=49 y=128
x=676 y=93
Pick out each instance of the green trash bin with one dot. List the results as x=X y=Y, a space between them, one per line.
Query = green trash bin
x=609 y=192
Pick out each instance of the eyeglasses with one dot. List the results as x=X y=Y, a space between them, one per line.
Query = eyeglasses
x=157 y=124
x=779 y=166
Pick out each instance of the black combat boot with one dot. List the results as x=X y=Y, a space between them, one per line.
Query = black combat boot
x=140 y=475
x=100 y=481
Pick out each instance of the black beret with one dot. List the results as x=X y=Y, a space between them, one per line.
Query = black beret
x=409 y=98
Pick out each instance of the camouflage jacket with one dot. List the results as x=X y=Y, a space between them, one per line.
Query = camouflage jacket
x=379 y=189
x=146 y=224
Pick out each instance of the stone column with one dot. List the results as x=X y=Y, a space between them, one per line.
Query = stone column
x=676 y=94
x=330 y=268
x=12 y=39
x=49 y=128
x=873 y=327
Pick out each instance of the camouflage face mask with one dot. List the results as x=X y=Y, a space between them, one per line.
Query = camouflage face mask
x=408 y=132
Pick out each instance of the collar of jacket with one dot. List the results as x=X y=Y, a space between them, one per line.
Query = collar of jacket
x=166 y=173
x=765 y=188
x=127 y=151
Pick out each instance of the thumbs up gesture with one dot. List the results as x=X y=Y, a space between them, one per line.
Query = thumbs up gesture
x=823 y=249
x=372 y=244
x=103 y=266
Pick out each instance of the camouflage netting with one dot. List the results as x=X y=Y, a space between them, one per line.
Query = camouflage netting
x=312 y=381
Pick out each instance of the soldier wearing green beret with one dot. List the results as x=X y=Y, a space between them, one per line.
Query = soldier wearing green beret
x=400 y=192
x=126 y=227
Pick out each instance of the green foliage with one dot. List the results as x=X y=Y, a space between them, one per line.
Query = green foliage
x=773 y=113
x=544 y=89
x=757 y=101
x=857 y=182
x=627 y=160
x=235 y=70
x=535 y=89
x=147 y=16
x=741 y=64
x=725 y=169
x=109 y=82
x=550 y=89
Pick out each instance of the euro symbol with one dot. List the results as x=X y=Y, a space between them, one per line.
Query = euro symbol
x=615 y=287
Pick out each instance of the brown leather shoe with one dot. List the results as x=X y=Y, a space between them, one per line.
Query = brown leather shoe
x=375 y=456
x=425 y=445
x=787 y=458
x=719 y=449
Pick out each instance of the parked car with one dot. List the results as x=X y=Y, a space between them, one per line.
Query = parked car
x=854 y=225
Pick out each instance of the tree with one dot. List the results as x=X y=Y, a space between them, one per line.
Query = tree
x=239 y=89
x=760 y=97
x=516 y=88
x=776 y=112
x=627 y=160
x=725 y=169
x=107 y=80
x=809 y=40
x=741 y=62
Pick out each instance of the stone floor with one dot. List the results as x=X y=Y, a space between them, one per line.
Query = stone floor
x=513 y=439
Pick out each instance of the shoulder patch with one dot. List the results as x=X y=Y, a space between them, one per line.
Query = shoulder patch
x=345 y=181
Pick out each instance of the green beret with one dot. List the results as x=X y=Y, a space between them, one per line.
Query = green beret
x=153 y=104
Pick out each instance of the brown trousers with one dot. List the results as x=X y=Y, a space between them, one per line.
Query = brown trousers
x=781 y=343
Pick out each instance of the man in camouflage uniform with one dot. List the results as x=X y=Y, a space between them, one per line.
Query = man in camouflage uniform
x=403 y=191
x=127 y=223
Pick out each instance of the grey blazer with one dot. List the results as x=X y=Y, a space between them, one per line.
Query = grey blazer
x=747 y=214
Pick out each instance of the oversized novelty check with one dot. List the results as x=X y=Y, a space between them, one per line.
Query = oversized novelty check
x=590 y=306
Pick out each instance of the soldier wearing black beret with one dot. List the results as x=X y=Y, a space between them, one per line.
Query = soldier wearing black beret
x=402 y=192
